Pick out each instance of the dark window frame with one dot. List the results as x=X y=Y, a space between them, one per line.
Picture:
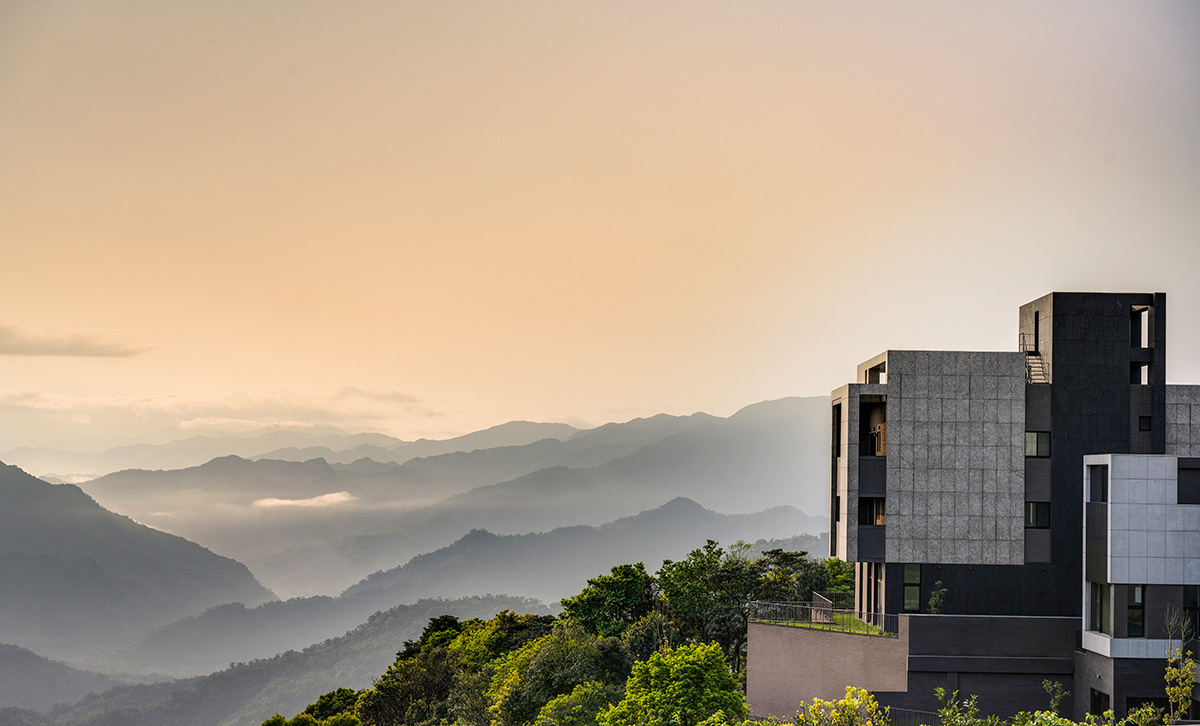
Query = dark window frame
x=1187 y=485
x=912 y=587
x=1037 y=444
x=1135 y=609
x=1037 y=515
x=1098 y=482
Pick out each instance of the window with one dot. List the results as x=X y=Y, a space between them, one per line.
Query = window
x=1037 y=443
x=1037 y=515
x=1144 y=423
x=1099 y=702
x=1135 y=608
x=1188 y=487
x=871 y=511
x=1098 y=478
x=1098 y=612
x=912 y=588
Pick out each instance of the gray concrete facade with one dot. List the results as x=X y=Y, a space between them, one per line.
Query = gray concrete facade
x=955 y=467
x=968 y=471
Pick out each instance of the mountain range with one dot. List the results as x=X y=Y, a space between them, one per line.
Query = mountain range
x=546 y=566
x=525 y=509
x=316 y=528
x=245 y=694
x=79 y=579
x=274 y=442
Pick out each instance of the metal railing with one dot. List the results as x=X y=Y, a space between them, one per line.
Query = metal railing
x=839 y=599
x=910 y=717
x=822 y=616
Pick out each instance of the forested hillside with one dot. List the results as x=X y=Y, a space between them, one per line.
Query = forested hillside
x=79 y=579
x=246 y=693
x=443 y=659
x=547 y=566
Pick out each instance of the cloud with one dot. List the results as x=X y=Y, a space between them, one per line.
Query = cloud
x=95 y=423
x=392 y=397
x=13 y=341
x=331 y=499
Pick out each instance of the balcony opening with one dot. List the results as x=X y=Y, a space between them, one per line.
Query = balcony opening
x=877 y=374
x=1139 y=374
x=1139 y=326
x=872 y=426
x=1098 y=482
x=872 y=511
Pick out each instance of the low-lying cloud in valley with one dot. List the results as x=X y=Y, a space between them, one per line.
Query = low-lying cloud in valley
x=331 y=499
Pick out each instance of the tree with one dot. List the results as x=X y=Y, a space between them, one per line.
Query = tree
x=653 y=632
x=552 y=666
x=839 y=575
x=411 y=690
x=330 y=704
x=858 y=708
x=678 y=687
x=610 y=603
x=937 y=598
x=1181 y=666
x=708 y=595
x=580 y=707
x=1056 y=691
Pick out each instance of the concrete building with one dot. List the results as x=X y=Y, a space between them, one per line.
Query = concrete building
x=1052 y=492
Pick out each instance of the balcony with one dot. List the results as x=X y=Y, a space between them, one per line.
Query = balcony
x=822 y=616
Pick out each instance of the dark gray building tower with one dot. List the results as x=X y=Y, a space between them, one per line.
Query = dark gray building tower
x=966 y=471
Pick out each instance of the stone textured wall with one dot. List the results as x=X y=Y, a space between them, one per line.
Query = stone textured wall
x=1183 y=420
x=956 y=457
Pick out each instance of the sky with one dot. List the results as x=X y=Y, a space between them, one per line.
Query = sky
x=425 y=218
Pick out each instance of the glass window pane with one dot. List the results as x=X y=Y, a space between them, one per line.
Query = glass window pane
x=1135 y=629
x=912 y=598
x=912 y=574
x=1031 y=443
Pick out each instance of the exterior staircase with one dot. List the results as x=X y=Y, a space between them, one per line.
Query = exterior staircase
x=1035 y=364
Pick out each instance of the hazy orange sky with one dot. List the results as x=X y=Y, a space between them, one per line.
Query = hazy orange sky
x=427 y=218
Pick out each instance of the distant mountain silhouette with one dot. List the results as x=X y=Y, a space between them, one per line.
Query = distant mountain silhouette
x=245 y=694
x=213 y=503
x=548 y=566
x=29 y=681
x=78 y=578
x=513 y=433
x=191 y=451
x=763 y=455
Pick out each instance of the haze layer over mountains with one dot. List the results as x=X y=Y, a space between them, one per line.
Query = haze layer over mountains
x=146 y=574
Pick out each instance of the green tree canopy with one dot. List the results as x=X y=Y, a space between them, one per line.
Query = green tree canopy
x=678 y=687
x=610 y=603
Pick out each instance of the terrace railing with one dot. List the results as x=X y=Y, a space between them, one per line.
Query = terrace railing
x=821 y=616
